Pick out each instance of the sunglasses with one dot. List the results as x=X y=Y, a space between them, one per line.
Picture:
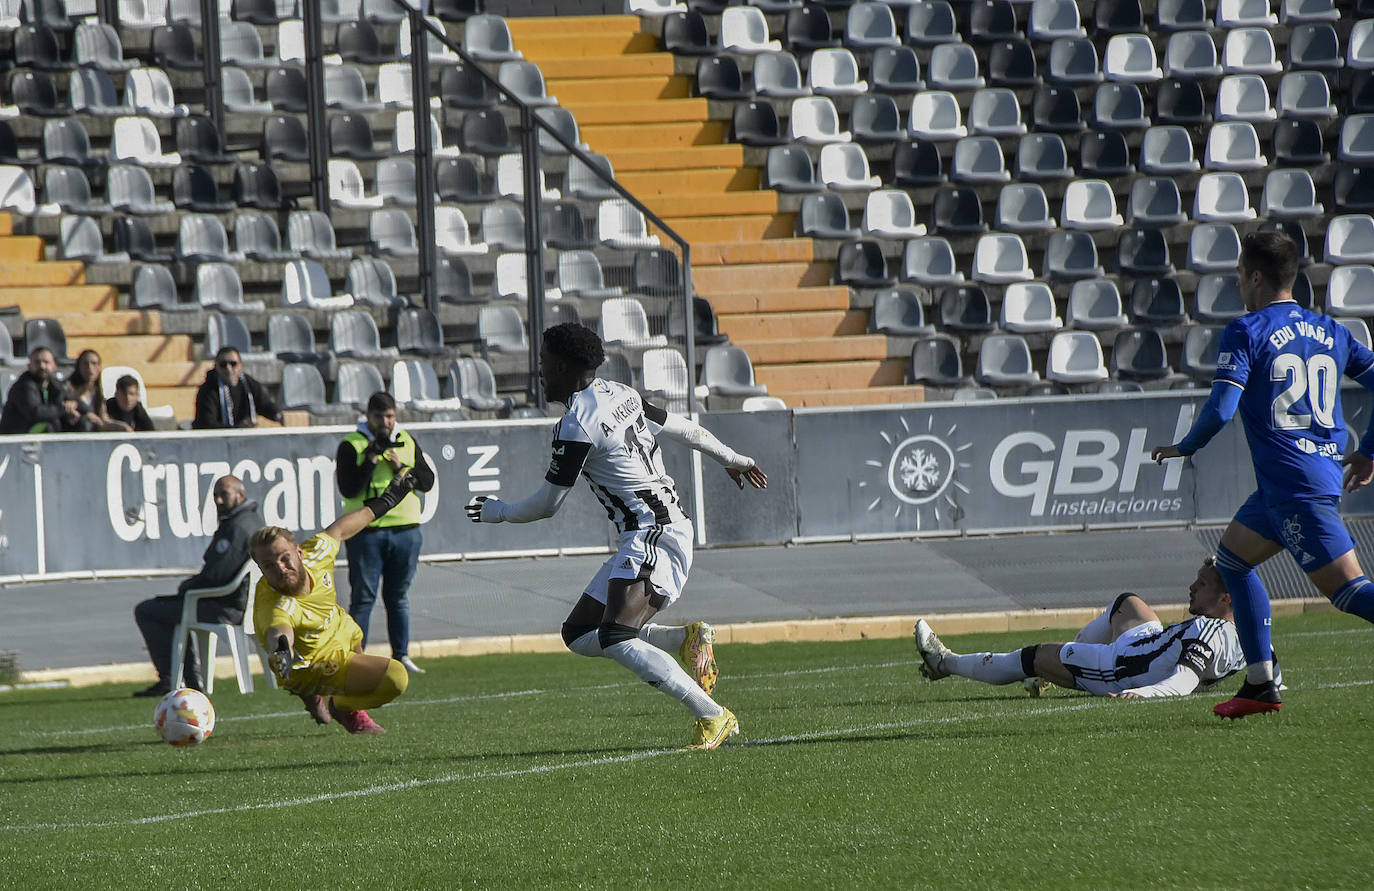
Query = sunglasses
x=227 y=364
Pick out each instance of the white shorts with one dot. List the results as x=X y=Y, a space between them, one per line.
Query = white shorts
x=1101 y=669
x=660 y=554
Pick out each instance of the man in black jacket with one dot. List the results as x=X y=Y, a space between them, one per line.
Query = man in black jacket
x=158 y=617
x=39 y=402
x=230 y=397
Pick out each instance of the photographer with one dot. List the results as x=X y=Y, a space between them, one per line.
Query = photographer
x=383 y=556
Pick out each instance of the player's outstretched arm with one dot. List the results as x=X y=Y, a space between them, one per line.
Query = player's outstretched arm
x=353 y=522
x=544 y=503
x=1219 y=408
x=741 y=468
x=1182 y=682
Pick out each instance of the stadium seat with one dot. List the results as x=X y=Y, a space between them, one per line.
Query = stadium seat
x=1289 y=195
x=1167 y=150
x=1028 y=308
x=1357 y=139
x=1089 y=204
x=954 y=67
x=149 y=91
x=624 y=322
x=1350 y=291
x=965 y=309
x=777 y=74
x=350 y=136
x=1190 y=55
x=1012 y=63
x=257 y=186
x=485 y=132
x=564 y=228
x=1358 y=329
x=460 y=86
x=727 y=371
x=1359 y=47
x=992 y=20
x=284 y=138
x=371 y=282
x=1118 y=17
x=92 y=92
x=869 y=25
x=134 y=236
x=33 y=92
x=1244 y=97
x=931 y=22
x=656 y=273
x=135 y=140
x=1155 y=203
x=154 y=288
x=1305 y=94
x=844 y=167
x=256 y=237
x=302 y=386
x=1198 y=358
x=1180 y=102
x=876 y=119
x=1143 y=253
x=452 y=235
x=17 y=194
x=453 y=282
x=995 y=112
x=1023 y=207
x=1298 y=143
x=474 y=384
x=889 y=213
x=198 y=141
x=999 y=258
x=79 y=238
x=36 y=47
x=1075 y=357
x=1222 y=198
x=391 y=233
x=1293 y=12
x=807 y=27
x=510 y=180
x=1249 y=51
x=936 y=361
x=957 y=211
x=860 y=264
x=895 y=69
x=1095 y=305
x=355 y=382
x=240 y=45
x=580 y=275
x=1353 y=189
x=418 y=331
x=306 y=285
x=194 y=189
x=744 y=30
x=461 y=180
x=917 y=163
x=1073 y=62
x=814 y=120
x=219 y=287
x=1140 y=354
x=503 y=226
x=833 y=72
x=1042 y=157
x=1070 y=256
x=1233 y=145
x=788 y=169
x=978 y=159
x=357 y=44
x=620 y=225
x=1056 y=110
x=142 y=15
x=129 y=187
x=719 y=77
x=1130 y=58
x=1050 y=20
x=487 y=38
x=756 y=123
x=1245 y=13
x=346 y=186
x=935 y=116
x=685 y=34
x=1119 y=106
x=1157 y=301
x=201 y=239
x=415 y=385
x=929 y=260
x=353 y=334
x=897 y=312
x=1182 y=15
x=97 y=45
x=65 y=141
x=1314 y=46
x=1004 y=360
x=1217 y=298
x=1213 y=247
x=665 y=378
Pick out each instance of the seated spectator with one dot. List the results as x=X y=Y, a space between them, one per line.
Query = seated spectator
x=230 y=397
x=124 y=409
x=90 y=396
x=39 y=402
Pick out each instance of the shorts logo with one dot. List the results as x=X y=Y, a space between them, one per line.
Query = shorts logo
x=1306 y=558
x=1292 y=532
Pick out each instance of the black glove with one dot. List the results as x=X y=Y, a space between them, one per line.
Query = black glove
x=401 y=485
x=284 y=657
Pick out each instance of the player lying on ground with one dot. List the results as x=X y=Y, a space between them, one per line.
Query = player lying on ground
x=1127 y=651
x=609 y=435
x=316 y=646
x=1280 y=365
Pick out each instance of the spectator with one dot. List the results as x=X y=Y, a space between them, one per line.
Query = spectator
x=39 y=402
x=385 y=553
x=158 y=617
x=124 y=409
x=230 y=397
x=90 y=396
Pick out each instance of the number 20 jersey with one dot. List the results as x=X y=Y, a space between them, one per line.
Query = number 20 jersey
x=1288 y=362
x=609 y=435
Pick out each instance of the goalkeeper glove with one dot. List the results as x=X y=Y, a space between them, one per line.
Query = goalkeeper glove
x=283 y=657
x=401 y=485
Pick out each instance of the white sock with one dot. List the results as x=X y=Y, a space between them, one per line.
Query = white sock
x=657 y=669
x=668 y=638
x=1260 y=672
x=990 y=668
x=1098 y=631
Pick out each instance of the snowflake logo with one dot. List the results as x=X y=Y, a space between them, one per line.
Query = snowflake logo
x=919 y=470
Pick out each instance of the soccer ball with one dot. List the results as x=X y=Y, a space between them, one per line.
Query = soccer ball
x=184 y=717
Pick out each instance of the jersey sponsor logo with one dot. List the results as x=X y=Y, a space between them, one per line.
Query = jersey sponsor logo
x=1225 y=362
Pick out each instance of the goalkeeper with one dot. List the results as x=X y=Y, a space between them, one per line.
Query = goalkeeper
x=316 y=646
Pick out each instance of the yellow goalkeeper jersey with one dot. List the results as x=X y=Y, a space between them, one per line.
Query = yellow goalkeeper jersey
x=325 y=632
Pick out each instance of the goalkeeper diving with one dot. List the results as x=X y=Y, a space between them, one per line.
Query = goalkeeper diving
x=315 y=646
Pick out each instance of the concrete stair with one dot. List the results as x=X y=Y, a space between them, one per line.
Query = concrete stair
x=772 y=296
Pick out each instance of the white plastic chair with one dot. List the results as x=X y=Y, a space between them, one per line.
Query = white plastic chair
x=149 y=91
x=995 y=112
x=889 y=213
x=1350 y=291
x=240 y=637
x=142 y=15
x=1028 y=308
x=1191 y=54
x=511 y=281
x=415 y=384
x=487 y=37
x=935 y=116
x=135 y=140
x=1052 y=19
x=1130 y=58
x=1357 y=139
x=1233 y=145
x=1001 y=257
x=510 y=180
x=844 y=167
x=1076 y=358
x=1305 y=94
x=1244 y=97
x=1358 y=330
x=1095 y=305
x=1350 y=239
x=403 y=136
x=835 y=72
x=394 y=86
x=1167 y=150
x=814 y=120
x=929 y=260
x=1222 y=198
x=619 y=224
x=305 y=285
x=1089 y=204
x=18 y=194
x=1213 y=247
x=346 y=187
x=1359 y=49
x=452 y=235
x=779 y=75
x=1299 y=11
x=1023 y=207
x=979 y=159
x=1249 y=51
x=1245 y=14
x=623 y=321
x=954 y=66
x=1290 y=194
x=743 y=29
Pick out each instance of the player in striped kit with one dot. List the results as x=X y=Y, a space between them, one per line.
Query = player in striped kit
x=610 y=436
x=1280 y=367
x=1127 y=651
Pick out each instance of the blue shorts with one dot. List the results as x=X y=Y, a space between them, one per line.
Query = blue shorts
x=1310 y=528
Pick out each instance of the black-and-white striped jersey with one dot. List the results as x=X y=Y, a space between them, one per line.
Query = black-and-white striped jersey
x=1148 y=654
x=608 y=435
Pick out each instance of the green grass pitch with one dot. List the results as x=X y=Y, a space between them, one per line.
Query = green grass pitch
x=851 y=771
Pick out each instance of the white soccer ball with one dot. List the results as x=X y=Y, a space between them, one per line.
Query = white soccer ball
x=184 y=717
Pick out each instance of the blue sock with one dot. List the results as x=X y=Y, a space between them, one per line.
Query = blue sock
x=1250 y=602
x=1356 y=598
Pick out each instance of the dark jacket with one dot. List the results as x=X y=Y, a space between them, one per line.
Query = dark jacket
x=210 y=408
x=137 y=419
x=30 y=403
x=227 y=552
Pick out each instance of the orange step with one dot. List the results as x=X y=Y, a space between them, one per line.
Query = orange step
x=814 y=349
x=60 y=272
x=6 y=224
x=643 y=65
x=711 y=280
x=181 y=399
x=169 y=373
x=25 y=248
x=712 y=205
x=110 y=323
x=568 y=25
x=659 y=136
x=625 y=160
x=696 y=182
x=137 y=350
x=858 y=396
x=644 y=112
x=745 y=228
x=778 y=301
x=774 y=250
x=571 y=91
x=589 y=46
x=44 y=301
x=826 y=375
x=793 y=323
